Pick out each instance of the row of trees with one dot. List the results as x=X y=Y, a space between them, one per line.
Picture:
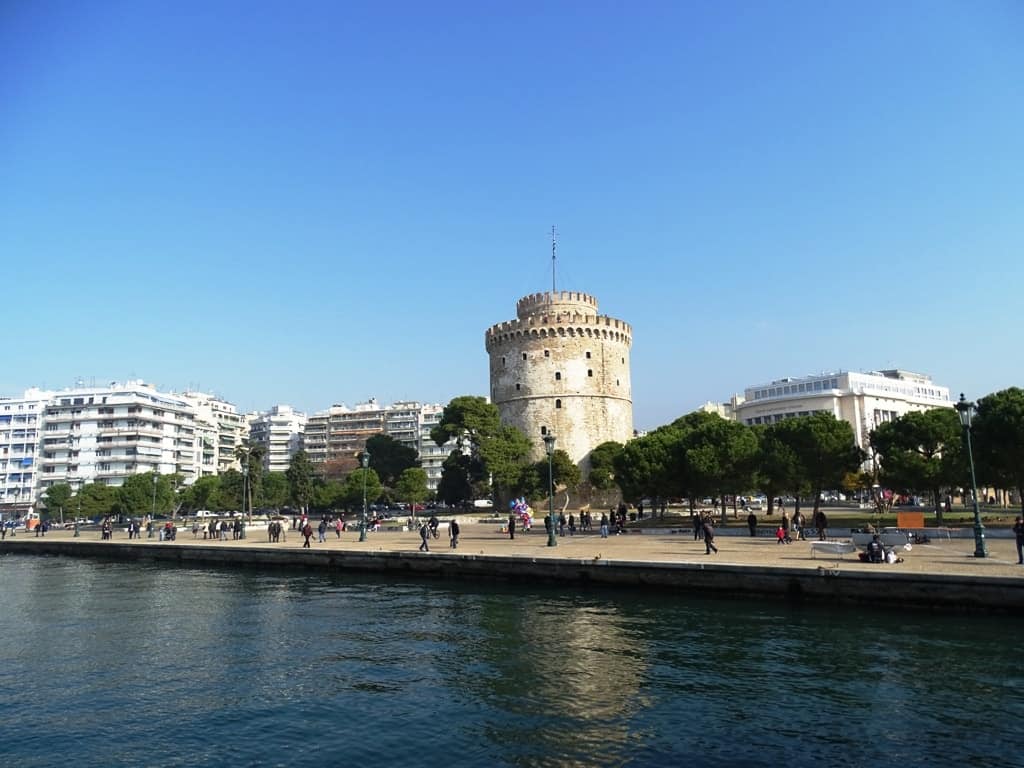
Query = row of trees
x=695 y=456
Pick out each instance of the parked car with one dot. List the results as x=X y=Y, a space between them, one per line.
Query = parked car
x=205 y=513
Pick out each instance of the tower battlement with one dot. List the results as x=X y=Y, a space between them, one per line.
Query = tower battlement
x=561 y=368
x=557 y=302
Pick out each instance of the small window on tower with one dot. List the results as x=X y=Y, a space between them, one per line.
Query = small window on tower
x=623 y=361
x=524 y=355
x=517 y=387
x=503 y=362
x=616 y=382
x=588 y=355
x=543 y=430
x=558 y=403
x=558 y=375
x=590 y=373
x=547 y=353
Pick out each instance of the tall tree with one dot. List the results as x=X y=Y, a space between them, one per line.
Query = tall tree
x=722 y=453
x=602 y=465
x=250 y=459
x=137 y=495
x=460 y=473
x=921 y=452
x=96 y=500
x=300 y=480
x=998 y=434
x=56 y=499
x=411 y=486
x=389 y=458
x=275 y=489
x=826 y=449
x=353 y=488
x=202 y=493
x=777 y=464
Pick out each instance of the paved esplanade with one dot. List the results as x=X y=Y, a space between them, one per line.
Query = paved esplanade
x=942 y=556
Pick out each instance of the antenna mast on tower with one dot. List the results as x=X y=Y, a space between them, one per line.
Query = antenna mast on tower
x=552 y=261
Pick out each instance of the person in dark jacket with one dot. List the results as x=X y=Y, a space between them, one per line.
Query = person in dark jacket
x=453 y=533
x=709 y=537
x=424 y=538
x=876 y=552
x=511 y=526
x=1018 y=532
x=307 y=532
x=752 y=523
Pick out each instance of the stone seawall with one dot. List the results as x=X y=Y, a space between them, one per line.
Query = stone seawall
x=823 y=584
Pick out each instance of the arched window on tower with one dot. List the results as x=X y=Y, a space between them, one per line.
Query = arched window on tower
x=547 y=353
x=558 y=375
x=558 y=403
x=543 y=430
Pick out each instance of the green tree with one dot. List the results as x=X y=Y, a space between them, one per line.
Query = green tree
x=826 y=450
x=56 y=499
x=721 y=456
x=97 y=500
x=602 y=465
x=327 y=495
x=411 y=485
x=275 y=489
x=998 y=435
x=229 y=495
x=501 y=451
x=460 y=473
x=202 y=493
x=300 y=480
x=921 y=452
x=136 y=495
x=352 y=488
x=389 y=458
x=250 y=460
x=777 y=466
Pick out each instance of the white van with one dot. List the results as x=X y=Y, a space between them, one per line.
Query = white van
x=483 y=504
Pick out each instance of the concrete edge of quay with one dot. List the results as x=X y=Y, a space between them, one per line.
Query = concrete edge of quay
x=825 y=585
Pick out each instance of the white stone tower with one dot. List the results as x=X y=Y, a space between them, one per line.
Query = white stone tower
x=561 y=367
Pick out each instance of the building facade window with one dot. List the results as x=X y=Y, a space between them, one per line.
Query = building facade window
x=558 y=403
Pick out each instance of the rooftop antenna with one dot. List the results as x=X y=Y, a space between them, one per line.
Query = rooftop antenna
x=552 y=261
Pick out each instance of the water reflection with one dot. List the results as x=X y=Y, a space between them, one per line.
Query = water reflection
x=241 y=668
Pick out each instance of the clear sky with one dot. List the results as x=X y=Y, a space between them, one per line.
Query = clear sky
x=315 y=203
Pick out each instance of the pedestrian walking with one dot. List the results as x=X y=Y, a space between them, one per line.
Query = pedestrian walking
x=561 y=524
x=307 y=532
x=424 y=538
x=322 y=530
x=572 y=525
x=709 y=537
x=453 y=533
x=511 y=526
x=1018 y=532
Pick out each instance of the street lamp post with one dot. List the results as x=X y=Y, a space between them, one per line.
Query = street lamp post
x=966 y=410
x=152 y=519
x=549 y=446
x=362 y=524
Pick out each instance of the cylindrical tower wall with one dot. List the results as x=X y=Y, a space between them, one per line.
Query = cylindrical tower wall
x=563 y=368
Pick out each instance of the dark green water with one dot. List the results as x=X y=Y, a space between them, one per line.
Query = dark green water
x=112 y=664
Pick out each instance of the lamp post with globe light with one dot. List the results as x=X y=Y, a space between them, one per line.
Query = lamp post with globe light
x=362 y=525
x=549 y=446
x=966 y=410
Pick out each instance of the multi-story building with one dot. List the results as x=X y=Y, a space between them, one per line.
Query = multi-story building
x=20 y=425
x=105 y=434
x=865 y=400
x=338 y=434
x=220 y=431
x=279 y=432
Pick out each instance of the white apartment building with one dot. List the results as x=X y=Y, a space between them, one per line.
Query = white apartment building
x=432 y=455
x=865 y=400
x=20 y=426
x=105 y=434
x=279 y=432
x=220 y=431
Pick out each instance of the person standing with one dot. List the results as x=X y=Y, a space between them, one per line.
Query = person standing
x=322 y=530
x=822 y=523
x=511 y=526
x=1018 y=532
x=424 y=537
x=572 y=525
x=453 y=533
x=338 y=526
x=709 y=537
x=752 y=523
x=561 y=523
x=307 y=532
x=604 y=526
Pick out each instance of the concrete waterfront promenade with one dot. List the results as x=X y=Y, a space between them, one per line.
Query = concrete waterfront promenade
x=941 y=575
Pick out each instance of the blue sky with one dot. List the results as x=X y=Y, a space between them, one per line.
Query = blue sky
x=313 y=203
